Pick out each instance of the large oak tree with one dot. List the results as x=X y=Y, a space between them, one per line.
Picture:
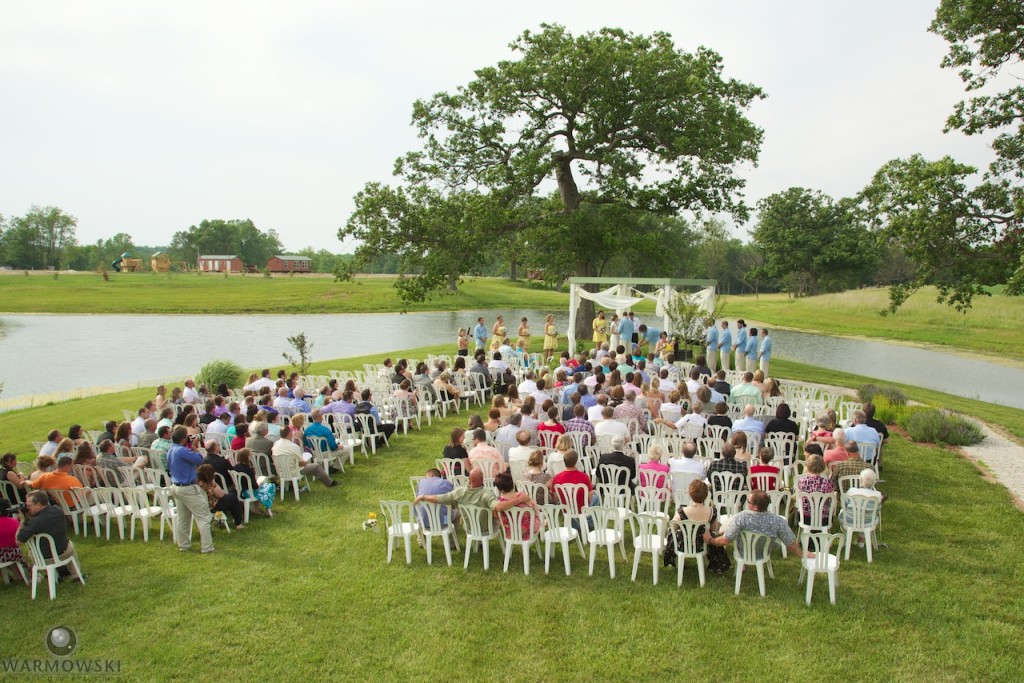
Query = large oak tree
x=527 y=154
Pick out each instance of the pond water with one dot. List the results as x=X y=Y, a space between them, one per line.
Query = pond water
x=46 y=357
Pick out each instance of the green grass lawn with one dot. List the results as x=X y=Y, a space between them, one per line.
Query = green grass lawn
x=213 y=293
x=309 y=595
x=991 y=327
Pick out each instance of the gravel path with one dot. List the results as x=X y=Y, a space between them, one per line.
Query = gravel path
x=1002 y=458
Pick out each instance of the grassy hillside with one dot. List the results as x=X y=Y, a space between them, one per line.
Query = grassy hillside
x=308 y=594
x=213 y=293
x=992 y=326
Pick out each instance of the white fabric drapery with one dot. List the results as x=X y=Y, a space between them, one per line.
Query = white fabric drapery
x=618 y=299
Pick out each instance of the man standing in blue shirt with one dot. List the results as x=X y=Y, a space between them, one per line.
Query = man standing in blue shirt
x=626 y=334
x=725 y=344
x=711 y=341
x=480 y=335
x=741 y=345
x=764 y=356
x=752 y=350
x=190 y=500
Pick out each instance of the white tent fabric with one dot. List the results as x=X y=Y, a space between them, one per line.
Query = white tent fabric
x=617 y=298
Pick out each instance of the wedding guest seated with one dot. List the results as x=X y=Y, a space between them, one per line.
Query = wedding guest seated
x=220 y=500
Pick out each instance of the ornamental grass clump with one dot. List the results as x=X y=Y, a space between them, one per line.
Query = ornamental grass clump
x=937 y=426
x=217 y=372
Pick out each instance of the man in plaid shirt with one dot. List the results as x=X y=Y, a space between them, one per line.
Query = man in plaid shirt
x=727 y=463
x=579 y=423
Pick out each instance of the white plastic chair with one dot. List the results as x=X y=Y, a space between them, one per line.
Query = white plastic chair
x=480 y=527
x=514 y=519
x=653 y=500
x=91 y=506
x=823 y=562
x=558 y=530
x=822 y=511
x=7 y=567
x=323 y=455
x=753 y=549
x=608 y=532
x=648 y=537
x=860 y=514
x=40 y=562
x=681 y=486
x=728 y=481
x=401 y=524
x=141 y=509
x=430 y=514
x=288 y=472
x=687 y=533
x=242 y=482
x=74 y=514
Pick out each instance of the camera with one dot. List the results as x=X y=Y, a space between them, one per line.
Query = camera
x=18 y=507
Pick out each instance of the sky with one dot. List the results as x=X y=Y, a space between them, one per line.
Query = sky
x=147 y=118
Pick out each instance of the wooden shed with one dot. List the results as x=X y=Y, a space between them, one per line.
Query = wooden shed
x=220 y=263
x=160 y=262
x=284 y=263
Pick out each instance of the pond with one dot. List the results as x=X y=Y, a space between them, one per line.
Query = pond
x=47 y=357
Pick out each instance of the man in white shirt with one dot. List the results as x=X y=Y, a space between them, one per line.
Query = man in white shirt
x=139 y=424
x=523 y=450
x=507 y=434
x=220 y=425
x=190 y=395
x=748 y=423
x=286 y=448
x=263 y=381
x=688 y=463
x=539 y=395
x=595 y=412
x=497 y=362
x=528 y=385
x=694 y=417
x=282 y=402
x=529 y=423
x=609 y=426
x=693 y=384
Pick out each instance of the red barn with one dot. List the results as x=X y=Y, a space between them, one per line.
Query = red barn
x=220 y=263
x=289 y=264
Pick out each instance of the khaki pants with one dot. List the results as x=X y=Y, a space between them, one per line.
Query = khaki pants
x=741 y=361
x=764 y=367
x=316 y=470
x=725 y=358
x=712 y=358
x=70 y=552
x=191 y=502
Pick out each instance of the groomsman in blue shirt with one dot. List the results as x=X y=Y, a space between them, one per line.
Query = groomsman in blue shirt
x=725 y=344
x=752 y=350
x=711 y=341
x=740 y=347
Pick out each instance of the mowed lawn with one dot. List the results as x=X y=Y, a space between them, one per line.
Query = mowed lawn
x=215 y=293
x=308 y=595
x=992 y=326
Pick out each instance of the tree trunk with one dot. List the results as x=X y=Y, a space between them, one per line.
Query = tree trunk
x=453 y=283
x=570 y=195
x=512 y=269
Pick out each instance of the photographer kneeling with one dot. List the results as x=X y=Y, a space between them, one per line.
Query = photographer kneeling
x=44 y=518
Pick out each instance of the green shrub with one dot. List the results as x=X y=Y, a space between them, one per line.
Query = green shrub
x=937 y=426
x=870 y=392
x=221 y=371
x=888 y=412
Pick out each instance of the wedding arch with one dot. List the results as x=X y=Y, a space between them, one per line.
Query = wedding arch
x=621 y=294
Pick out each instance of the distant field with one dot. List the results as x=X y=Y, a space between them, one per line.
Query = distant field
x=215 y=293
x=992 y=326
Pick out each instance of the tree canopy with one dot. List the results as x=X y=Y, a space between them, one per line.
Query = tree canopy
x=811 y=243
x=218 y=236
x=39 y=239
x=529 y=155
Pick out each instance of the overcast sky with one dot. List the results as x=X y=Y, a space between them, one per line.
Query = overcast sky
x=149 y=117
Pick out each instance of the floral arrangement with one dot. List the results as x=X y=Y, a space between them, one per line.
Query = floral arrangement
x=371 y=522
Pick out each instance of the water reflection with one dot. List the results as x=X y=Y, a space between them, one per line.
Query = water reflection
x=46 y=354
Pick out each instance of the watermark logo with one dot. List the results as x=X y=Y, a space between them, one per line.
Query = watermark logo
x=61 y=641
